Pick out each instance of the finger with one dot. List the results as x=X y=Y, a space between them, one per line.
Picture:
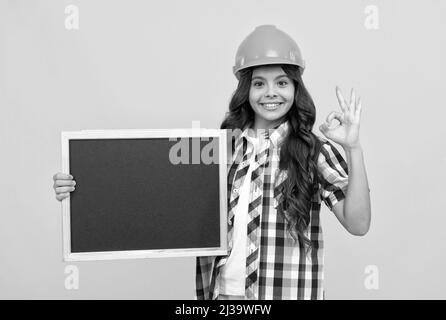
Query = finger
x=62 y=176
x=352 y=100
x=62 y=196
x=62 y=183
x=60 y=190
x=334 y=115
x=358 y=109
x=341 y=100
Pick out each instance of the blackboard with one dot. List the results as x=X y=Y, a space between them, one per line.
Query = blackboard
x=145 y=193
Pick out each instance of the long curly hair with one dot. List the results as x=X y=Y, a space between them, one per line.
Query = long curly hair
x=299 y=150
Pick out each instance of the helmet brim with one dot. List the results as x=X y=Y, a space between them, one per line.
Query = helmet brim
x=266 y=61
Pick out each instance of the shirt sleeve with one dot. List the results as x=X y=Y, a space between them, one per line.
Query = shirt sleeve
x=333 y=172
x=204 y=267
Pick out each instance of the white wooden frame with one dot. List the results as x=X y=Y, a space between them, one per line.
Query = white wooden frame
x=135 y=134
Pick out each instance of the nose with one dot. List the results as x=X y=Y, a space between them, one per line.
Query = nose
x=270 y=92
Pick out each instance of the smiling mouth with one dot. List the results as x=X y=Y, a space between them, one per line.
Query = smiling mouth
x=271 y=106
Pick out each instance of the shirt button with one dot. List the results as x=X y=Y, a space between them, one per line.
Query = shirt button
x=235 y=191
x=230 y=222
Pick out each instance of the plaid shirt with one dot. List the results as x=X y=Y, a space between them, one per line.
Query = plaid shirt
x=284 y=270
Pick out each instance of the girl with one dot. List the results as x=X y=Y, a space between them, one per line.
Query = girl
x=278 y=177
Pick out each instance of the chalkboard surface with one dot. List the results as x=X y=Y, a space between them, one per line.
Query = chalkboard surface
x=130 y=196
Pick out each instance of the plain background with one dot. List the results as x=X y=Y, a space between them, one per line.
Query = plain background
x=164 y=64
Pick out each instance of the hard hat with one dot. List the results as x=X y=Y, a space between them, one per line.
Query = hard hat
x=267 y=45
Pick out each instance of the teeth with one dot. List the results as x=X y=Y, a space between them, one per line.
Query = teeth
x=271 y=105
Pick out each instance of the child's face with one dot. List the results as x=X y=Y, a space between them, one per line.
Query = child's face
x=271 y=95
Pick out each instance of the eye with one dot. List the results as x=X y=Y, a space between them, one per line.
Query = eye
x=283 y=83
x=257 y=83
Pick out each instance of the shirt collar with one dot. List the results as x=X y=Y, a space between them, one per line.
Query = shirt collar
x=275 y=135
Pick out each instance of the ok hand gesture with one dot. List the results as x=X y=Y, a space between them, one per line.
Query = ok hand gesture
x=347 y=132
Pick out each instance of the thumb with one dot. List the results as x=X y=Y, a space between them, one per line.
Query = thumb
x=324 y=128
